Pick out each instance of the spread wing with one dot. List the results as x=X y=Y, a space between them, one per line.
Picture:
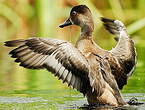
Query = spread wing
x=57 y=56
x=124 y=51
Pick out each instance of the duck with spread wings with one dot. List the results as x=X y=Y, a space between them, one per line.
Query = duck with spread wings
x=95 y=72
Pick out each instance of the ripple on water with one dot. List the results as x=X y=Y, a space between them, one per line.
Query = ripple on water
x=67 y=105
x=21 y=99
x=139 y=96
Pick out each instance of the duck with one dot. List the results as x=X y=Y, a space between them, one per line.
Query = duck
x=97 y=73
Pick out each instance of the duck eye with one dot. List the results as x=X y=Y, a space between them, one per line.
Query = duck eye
x=74 y=13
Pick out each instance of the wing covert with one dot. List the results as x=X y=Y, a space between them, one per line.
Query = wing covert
x=58 y=56
x=124 y=52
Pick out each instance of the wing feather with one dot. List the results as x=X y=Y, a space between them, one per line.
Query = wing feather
x=58 y=56
x=124 y=52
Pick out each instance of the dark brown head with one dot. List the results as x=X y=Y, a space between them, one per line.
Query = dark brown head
x=80 y=15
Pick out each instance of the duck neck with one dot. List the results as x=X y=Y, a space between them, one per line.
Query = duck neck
x=86 y=31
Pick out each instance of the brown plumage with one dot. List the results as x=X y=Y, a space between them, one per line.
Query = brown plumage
x=95 y=72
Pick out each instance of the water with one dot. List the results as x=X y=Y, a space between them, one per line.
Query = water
x=22 y=89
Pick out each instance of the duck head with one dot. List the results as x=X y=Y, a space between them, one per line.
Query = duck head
x=81 y=16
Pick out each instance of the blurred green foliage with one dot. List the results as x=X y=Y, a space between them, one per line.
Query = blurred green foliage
x=27 y=18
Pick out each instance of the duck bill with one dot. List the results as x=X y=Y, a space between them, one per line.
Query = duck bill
x=66 y=23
